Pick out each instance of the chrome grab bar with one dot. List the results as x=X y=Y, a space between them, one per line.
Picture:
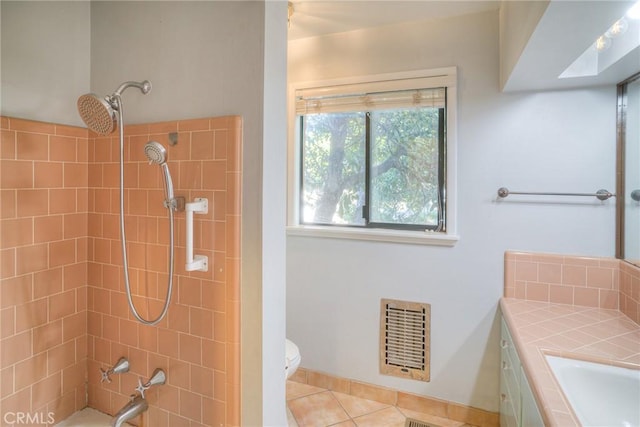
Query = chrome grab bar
x=600 y=194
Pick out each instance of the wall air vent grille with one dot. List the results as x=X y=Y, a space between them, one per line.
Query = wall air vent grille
x=404 y=339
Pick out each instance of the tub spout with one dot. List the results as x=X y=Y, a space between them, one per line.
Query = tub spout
x=135 y=407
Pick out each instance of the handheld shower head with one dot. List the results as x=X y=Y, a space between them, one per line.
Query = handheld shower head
x=157 y=154
x=97 y=114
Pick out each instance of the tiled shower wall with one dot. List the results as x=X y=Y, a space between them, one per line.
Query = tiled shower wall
x=43 y=270
x=64 y=311
x=197 y=344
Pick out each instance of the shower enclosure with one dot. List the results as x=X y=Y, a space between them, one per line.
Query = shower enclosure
x=63 y=302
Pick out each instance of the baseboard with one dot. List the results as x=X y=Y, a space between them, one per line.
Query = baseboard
x=427 y=405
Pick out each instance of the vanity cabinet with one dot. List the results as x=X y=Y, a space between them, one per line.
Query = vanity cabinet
x=530 y=413
x=517 y=405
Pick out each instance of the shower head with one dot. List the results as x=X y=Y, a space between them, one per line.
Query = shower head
x=99 y=114
x=155 y=152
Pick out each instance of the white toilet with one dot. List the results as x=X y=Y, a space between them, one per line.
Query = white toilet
x=292 y=359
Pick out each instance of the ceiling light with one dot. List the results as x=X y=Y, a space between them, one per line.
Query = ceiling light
x=603 y=43
x=618 y=28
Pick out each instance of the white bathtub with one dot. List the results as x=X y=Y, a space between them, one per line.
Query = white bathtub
x=601 y=395
x=88 y=417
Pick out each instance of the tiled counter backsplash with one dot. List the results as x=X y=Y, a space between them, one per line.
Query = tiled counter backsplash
x=584 y=281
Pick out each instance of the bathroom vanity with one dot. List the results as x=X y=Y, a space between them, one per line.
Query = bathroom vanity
x=517 y=404
x=531 y=330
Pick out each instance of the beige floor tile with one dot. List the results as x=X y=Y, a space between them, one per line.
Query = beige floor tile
x=389 y=417
x=291 y=420
x=319 y=410
x=357 y=406
x=313 y=406
x=296 y=390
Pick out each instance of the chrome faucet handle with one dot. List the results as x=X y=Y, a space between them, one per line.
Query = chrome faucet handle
x=121 y=366
x=141 y=388
x=157 y=378
x=105 y=375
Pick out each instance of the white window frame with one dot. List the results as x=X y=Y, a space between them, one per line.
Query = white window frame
x=440 y=77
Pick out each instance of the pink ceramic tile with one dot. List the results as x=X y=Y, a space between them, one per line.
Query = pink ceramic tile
x=560 y=342
x=544 y=258
x=550 y=273
x=532 y=317
x=521 y=289
x=39 y=157
x=537 y=291
x=609 y=299
x=509 y=272
x=609 y=263
x=582 y=260
x=561 y=310
x=635 y=359
x=520 y=256
x=574 y=275
x=526 y=271
x=630 y=340
x=538 y=331
x=561 y=294
x=586 y=296
x=602 y=335
x=598 y=277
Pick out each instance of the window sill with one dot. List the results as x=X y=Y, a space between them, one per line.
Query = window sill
x=376 y=235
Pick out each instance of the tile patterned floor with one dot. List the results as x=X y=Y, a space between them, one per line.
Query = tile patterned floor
x=313 y=406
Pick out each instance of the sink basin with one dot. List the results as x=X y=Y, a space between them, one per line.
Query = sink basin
x=600 y=395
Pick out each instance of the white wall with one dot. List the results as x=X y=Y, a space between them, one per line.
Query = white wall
x=553 y=141
x=45 y=59
x=203 y=58
x=274 y=205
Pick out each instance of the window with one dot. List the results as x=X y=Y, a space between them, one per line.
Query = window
x=373 y=155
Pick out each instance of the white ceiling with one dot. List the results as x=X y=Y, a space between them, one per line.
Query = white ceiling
x=313 y=18
x=566 y=29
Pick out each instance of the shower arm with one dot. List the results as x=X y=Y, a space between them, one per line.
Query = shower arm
x=144 y=86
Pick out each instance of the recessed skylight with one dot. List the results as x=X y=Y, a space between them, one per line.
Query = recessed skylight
x=621 y=38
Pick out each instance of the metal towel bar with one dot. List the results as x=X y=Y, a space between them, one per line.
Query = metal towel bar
x=600 y=194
